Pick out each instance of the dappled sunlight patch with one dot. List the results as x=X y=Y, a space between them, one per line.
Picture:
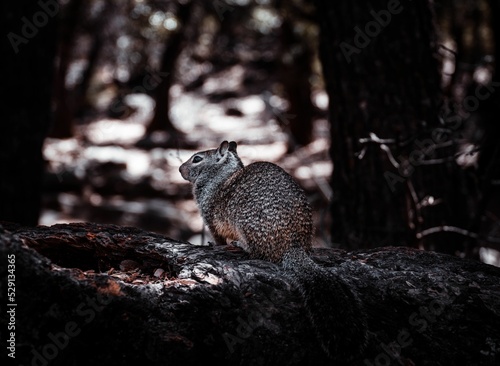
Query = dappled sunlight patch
x=490 y=256
x=224 y=81
x=268 y=152
x=253 y=104
x=112 y=131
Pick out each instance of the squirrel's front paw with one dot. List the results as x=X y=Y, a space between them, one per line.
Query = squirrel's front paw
x=240 y=244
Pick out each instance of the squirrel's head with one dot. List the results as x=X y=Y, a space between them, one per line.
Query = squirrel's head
x=209 y=164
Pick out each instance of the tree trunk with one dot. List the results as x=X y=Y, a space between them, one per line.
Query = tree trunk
x=29 y=31
x=295 y=70
x=395 y=179
x=173 y=48
x=64 y=113
x=104 y=294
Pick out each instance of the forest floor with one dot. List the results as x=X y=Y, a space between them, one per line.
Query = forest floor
x=101 y=175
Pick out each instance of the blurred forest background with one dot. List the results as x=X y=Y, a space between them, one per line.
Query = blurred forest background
x=386 y=112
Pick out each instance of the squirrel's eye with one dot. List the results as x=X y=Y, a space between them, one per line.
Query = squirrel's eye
x=197 y=159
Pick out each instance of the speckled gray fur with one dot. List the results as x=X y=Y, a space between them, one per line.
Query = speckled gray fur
x=267 y=212
x=237 y=203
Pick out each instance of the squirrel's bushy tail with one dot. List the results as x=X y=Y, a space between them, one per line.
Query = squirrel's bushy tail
x=333 y=308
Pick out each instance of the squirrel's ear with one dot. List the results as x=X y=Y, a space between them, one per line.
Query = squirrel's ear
x=224 y=146
x=232 y=146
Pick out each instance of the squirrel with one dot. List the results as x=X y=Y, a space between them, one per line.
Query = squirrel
x=267 y=213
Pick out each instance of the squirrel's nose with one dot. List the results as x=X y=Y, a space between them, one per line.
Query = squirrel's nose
x=184 y=171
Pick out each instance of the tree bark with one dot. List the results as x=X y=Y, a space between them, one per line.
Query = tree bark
x=395 y=179
x=89 y=293
x=28 y=50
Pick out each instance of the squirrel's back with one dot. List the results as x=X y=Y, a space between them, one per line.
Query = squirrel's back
x=268 y=210
x=260 y=205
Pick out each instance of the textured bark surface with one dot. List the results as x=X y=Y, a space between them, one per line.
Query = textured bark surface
x=94 y=294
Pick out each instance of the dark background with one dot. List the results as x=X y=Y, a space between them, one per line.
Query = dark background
x=386 y=112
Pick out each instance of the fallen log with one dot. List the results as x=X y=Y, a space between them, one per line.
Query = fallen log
x=104 y=294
